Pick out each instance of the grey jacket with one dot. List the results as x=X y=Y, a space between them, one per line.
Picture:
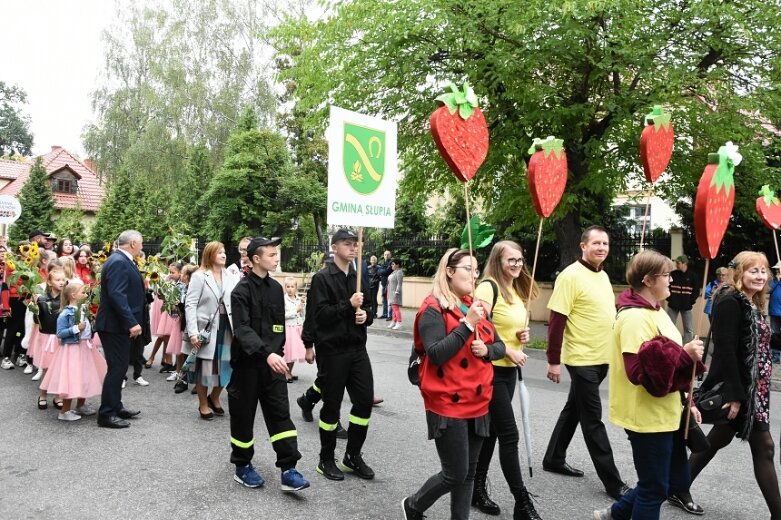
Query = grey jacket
x=201 y=304
x=395 y=282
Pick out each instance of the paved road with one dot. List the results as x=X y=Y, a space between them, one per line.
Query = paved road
x=172 y=465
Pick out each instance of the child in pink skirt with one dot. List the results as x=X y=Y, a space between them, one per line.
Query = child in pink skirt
x=46 y=344
x=77 y=370
x=294 y=348
x=171 y=323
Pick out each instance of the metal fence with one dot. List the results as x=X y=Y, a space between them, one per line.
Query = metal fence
x=420 y=254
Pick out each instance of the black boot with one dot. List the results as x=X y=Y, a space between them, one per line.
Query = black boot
x=524 y=508
x=480 y=498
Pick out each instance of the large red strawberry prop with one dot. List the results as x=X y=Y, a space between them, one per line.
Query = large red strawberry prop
x=656 y=143
x=715 y=198
x=460 y=132
x=547 y=174
x=769 y=208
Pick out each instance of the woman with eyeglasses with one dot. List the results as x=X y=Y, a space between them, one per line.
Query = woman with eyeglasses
x=456 y=343
x=742 y=363
x=506 y=284
x=648 y=370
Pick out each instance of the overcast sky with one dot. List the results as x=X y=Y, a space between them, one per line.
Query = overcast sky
x=52 y=50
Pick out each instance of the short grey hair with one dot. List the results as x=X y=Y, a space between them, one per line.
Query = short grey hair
x=128 y=236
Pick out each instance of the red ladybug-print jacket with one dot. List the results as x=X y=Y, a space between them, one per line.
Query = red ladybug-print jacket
x=453 y=382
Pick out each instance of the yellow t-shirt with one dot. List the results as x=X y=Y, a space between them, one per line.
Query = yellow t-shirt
x=508 y=318
x=586 y=298
x=631 y=406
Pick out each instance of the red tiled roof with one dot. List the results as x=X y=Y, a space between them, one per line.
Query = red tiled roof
x=12 y=169
x=90 y=192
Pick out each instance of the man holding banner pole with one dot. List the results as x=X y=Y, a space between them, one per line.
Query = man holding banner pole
x=341 y=316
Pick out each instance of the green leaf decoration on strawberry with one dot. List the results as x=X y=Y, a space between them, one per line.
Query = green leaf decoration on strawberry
x=482 y=234
x=547 y=145
x=465 y=102
x=658 y=117
x=728 y=159
x=769 y=195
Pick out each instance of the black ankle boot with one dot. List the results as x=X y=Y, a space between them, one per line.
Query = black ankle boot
x=524 y=508
x=480 y=498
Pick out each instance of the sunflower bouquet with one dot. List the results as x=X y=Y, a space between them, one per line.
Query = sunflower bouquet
x=23 y=273
x=156 y=271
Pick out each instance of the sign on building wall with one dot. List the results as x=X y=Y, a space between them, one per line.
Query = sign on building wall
x=362 y=170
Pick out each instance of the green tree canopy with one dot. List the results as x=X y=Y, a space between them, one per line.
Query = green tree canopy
x=37 y=204
x=585 y=71
x=15 y=136
x=247 y=195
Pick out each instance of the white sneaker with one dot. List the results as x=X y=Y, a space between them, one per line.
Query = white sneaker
x=391 y=324
x=172 y=377
x=85 y=410
x=70 y=415
x=38 y=375
x=21 y=360
x=7 y=364
x=29 y=368
x=397 y=326
x=124 y=382
x=140 y=381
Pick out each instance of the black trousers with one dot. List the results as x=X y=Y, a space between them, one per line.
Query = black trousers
x=116 y=349
x=503 y=427
x=137 y=358
x=458 y=448
x=259 y=384
x=12 y=347
x=374 y=290
x=349 y=371
x=584 y=406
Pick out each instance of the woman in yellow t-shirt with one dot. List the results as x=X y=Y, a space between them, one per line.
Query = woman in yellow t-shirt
x=645 y=388
x=505 y=285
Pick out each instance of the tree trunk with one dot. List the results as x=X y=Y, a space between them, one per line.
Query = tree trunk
x=568 y=236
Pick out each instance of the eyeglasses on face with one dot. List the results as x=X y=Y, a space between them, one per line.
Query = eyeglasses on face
x=476 y=272
x=515 y=262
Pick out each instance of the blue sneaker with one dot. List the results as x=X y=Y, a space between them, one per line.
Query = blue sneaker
x=247 y=476
x=292 y=480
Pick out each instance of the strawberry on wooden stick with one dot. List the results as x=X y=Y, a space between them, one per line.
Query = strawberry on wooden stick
x=656 y=143
x=715 y=198
x=547 y=174
x=769 y=207
x=460 y=132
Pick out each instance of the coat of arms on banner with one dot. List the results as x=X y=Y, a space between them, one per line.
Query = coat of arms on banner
x=363 y=157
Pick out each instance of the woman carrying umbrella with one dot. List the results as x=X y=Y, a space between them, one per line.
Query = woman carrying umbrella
x=506 y=284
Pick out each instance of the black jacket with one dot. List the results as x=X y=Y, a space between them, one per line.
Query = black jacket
x=258 y=309
x=48 y=312
x=328 y=304
x=684 y=290
x=384 y=270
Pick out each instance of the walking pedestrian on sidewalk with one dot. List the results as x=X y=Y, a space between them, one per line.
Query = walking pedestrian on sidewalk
x=456 y=378
x=258 y=307
x=506 y=284
x=395 y=283
x=582 y=314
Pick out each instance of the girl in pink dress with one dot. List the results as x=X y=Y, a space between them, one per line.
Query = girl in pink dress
x=294 y=308
x=163 y=324
x=48 y=312
x=77 y=370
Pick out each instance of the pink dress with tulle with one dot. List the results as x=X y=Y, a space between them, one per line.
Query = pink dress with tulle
x=76 y=371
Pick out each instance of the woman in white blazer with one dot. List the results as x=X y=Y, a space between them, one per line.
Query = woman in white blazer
x=207 y=310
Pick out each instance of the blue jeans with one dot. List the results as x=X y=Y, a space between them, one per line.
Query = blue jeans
x=662 y=470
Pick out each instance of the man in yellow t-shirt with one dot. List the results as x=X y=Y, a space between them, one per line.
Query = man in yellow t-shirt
x=579 y=335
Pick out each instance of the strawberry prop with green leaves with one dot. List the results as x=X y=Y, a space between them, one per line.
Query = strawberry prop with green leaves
x=547 y=174
x=715 y=198
x=656 y=143
x=769 y=208
x=460 y=132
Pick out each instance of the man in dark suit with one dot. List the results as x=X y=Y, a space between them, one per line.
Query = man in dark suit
x=119 y=322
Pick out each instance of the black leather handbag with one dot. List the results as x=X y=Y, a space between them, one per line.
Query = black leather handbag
x=710 y=403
